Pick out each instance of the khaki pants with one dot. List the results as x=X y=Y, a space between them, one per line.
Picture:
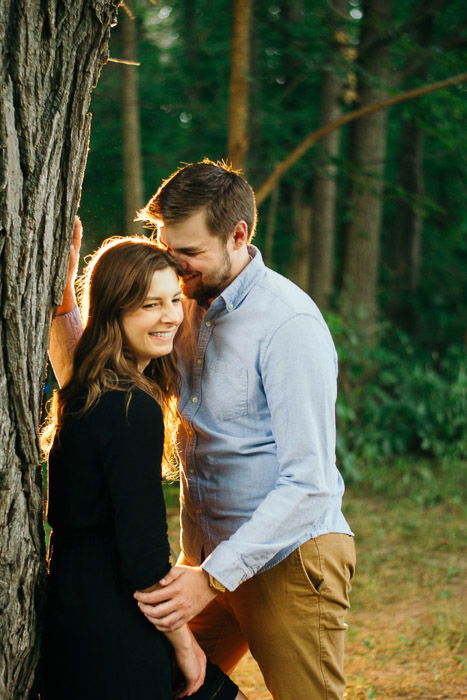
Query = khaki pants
x=292 y=617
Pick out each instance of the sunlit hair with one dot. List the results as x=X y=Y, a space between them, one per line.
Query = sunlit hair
x=215 y=186
x=116 y=280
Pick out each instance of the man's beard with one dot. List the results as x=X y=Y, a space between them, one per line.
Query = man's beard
x=204 y=293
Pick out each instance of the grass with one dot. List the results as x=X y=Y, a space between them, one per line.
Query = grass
x=406 y=626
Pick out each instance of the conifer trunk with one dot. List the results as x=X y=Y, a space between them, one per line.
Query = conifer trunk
x=131 y=131
x=368 y=154
x=324 y=191
x=237 y=147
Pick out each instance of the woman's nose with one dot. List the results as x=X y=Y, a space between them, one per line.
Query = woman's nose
x=171 y=314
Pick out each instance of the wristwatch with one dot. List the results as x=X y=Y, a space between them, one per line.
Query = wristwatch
x=216 y=585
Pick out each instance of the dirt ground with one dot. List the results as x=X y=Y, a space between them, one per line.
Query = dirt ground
x=406 y=626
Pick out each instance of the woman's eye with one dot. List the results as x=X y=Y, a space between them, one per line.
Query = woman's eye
x=150 y=306
x=178 y=300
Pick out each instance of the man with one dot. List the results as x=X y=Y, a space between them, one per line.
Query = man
x=267 y=556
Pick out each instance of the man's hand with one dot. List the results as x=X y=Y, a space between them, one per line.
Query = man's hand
x=69 y=297
x=184 y=592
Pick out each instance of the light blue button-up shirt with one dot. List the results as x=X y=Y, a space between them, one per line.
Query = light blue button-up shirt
x=258 y=390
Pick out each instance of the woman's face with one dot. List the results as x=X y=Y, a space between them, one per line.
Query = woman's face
x=150 y=329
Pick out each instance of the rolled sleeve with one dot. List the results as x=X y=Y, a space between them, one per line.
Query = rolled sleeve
x=65 y=332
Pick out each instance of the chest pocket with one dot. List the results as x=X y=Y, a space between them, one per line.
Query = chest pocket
x=226 y=390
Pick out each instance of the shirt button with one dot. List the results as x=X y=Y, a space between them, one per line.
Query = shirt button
x=230 y=307
x=194 y=399
x=208 y=324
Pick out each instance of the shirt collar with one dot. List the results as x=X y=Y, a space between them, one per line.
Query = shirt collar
x=237 y=290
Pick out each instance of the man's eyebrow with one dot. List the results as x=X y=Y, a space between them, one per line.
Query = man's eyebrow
x=185 y=249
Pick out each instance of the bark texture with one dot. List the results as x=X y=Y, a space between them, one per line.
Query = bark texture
x=52 y=51
x=237 y=147
x=368 y=154
x=132 y=160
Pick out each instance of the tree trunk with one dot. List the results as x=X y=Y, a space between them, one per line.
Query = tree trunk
x=407 y=232
x=52 y=53
x=368 y=153
x=301 y=217
x=270 y=232
x=239 y=77
x=409 y=220
x=324 y=191
x=132 y=161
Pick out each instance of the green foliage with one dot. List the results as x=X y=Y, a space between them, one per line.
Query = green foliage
x=396 y=399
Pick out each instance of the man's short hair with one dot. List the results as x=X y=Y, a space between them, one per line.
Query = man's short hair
x=216 y=186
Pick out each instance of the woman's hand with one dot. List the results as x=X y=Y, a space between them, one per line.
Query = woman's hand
x=69 y=298
x=191 y=661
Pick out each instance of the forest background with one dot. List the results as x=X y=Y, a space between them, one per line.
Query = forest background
x=370 y=220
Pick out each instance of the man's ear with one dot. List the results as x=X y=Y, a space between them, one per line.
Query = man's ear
x=240 y=235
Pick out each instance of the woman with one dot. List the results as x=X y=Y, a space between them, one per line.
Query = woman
x=105 y=501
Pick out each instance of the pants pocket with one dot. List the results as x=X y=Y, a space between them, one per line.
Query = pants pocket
x=310 y=566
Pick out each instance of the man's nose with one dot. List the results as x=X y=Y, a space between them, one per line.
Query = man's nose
x=183 y=261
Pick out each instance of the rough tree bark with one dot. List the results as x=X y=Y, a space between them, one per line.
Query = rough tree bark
x=131 y=132
x=368 y=154
x=237 y=147
x=52 y=51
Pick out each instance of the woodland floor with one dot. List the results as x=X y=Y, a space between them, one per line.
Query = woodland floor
x=406 y=626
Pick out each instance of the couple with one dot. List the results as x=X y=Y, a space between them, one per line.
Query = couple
x=267 y=555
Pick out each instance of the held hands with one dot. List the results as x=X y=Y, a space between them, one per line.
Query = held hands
x=69 y=298
x=183 y=593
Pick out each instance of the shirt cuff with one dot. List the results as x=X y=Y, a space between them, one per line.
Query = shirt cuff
x=227 y=567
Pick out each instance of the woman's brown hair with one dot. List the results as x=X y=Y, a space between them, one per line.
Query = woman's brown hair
x=115 y=281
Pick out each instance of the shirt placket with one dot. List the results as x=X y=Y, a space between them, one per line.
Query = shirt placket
x=191 y=409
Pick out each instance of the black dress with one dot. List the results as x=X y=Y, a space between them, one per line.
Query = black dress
x=109 y=539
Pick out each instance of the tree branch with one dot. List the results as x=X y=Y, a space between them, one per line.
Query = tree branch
x=267 y=186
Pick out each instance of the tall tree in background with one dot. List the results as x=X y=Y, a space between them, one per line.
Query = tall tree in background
x=131 y=132
x=324 y=192
x=51 y=54
x=295 y=51
x=368 y=155
x=406 y=252
x=237 y=148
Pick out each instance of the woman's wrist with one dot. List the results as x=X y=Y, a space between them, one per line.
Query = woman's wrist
x=182 y=639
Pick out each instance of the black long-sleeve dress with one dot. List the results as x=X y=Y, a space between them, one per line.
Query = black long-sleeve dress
x=106 y=508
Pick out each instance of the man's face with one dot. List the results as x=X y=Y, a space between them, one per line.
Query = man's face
x=205 y=258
